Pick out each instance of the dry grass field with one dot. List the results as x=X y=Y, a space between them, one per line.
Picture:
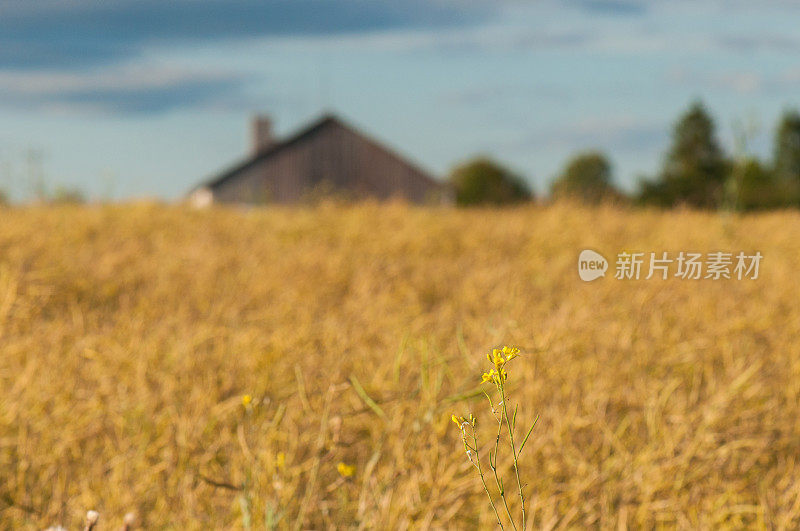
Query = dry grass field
x=225 y=369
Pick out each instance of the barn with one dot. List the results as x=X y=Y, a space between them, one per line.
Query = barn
x=328 y=157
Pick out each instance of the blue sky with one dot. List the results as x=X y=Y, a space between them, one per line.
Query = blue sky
x=133 y=98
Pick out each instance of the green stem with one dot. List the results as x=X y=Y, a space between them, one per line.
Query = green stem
x=483 y=480
x=496 y=477
x=513 y=451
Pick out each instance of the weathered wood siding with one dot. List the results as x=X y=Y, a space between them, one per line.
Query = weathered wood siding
x=328 y=158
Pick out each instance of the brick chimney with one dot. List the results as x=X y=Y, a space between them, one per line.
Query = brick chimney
x=261 y=131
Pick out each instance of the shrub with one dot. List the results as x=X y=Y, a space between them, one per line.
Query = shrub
x=484 y=181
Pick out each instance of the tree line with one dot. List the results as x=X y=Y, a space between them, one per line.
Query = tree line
x=696 y=172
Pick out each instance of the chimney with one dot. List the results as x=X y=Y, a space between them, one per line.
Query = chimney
x=261 y=131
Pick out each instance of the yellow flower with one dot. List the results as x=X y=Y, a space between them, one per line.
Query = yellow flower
x=496 y=358
x=510 y=352
x=246 y=400
x=499 y=357
x=280 y=460
x=489 y=376
x=346 y=471
x=459 y=421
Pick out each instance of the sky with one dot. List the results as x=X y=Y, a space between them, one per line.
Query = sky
x=146 y=98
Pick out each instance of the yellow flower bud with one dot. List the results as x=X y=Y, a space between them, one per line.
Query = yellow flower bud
x=345 y=470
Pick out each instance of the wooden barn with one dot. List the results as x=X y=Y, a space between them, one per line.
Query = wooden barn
x=329 y=157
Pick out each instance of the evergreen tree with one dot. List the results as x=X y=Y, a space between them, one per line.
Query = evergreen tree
x=695 y=167
x=787 y=148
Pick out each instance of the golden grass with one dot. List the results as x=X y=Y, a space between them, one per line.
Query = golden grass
x=129 y=335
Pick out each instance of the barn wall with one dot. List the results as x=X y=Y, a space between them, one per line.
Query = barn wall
x=332 y=158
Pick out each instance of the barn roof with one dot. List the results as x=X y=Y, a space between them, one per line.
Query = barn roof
x=325 y=121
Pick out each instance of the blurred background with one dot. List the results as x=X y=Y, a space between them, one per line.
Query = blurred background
x=124 y=99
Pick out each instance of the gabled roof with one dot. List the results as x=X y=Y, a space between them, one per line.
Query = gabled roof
x=326 y=120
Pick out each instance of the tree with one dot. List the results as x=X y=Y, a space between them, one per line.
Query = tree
x=787 y=148
x=67 y=195
x=695 y=167
x=484 y=181
x=587 y=177
x=758 y=187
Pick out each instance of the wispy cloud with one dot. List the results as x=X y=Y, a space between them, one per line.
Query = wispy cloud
x=613 y=133
x=91 y=55
x=739 y=81
x=748 y=82
x=84 y=32
x=613 y=7
x=764 y=42
x=124 y=89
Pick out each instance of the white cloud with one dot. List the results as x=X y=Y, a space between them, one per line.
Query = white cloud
x=125 y=77
x=129 y=88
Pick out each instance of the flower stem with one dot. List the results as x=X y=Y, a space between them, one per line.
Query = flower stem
x=513 y=451
x=483 y=480
x=500 y=486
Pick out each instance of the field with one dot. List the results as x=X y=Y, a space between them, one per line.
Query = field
x=212 y=369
